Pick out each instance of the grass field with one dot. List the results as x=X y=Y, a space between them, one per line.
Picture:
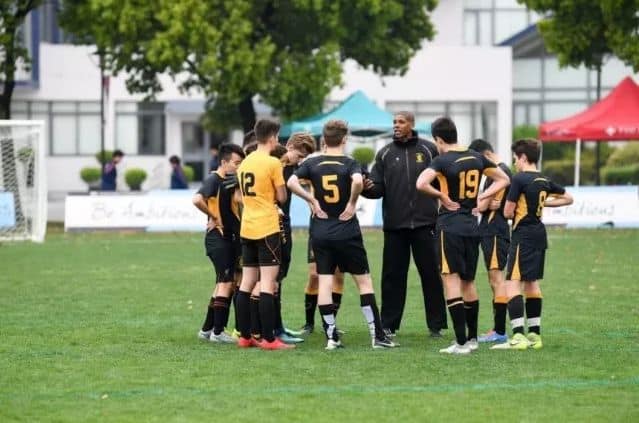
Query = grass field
x=101 y=327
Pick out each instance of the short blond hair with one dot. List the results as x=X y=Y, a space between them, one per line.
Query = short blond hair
x=334 y=132
x=302 y=141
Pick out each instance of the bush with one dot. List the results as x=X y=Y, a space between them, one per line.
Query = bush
x=364 y=155
x=624 y=156
x=563 y=171
x=525 y=131
x=621 y=175
x=90 y=174
x=134 y=178
x=25 y=154
x=104 y=159
x=189 y=172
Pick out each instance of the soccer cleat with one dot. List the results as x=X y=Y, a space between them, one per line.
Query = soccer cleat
x=294 y=333
x=389 y=333
x=223 y=338
x=493 y=337
x=384 y=342
x=248 y=343
x=204 y=334
x=456 y=349
x=307 y=329
x=535 y=341
x=276 y=344
x=288 y=339
x=472 y=344
x=333 y=345
x=236 y=334
x=434 y=333
x=518 y=342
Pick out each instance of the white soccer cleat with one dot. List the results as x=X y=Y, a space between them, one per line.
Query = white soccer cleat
x=204 y=335
x=223 y=338
x=472 y=344
x=456 y=349
x=333 y=345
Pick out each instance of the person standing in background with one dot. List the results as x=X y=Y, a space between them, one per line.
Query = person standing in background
x=178 y=178
x=214 y=162
x=110 y=172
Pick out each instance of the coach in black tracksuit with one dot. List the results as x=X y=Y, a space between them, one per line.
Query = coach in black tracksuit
x=409 y=219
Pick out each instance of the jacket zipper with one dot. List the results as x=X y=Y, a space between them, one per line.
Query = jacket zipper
x=410 y=203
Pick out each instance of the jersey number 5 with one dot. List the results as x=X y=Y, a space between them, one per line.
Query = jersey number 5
x=468 y=184
x=247 y=180
x=330 y=187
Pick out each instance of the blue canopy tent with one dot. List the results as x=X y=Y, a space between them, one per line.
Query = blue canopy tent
x=363 y=116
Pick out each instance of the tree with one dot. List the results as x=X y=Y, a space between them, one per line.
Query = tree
x=585 y=32
x=289 y=52
x=12 y=49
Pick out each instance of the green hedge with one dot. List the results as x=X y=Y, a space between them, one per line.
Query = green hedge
x=364 y=155
x=563 y=171
x=621 y=175
x=189 y=172
x=624 y=156
x=104 y=159
x=134 y=178
x=90 y=174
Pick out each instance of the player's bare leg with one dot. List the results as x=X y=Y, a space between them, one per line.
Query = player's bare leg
x=500 y=304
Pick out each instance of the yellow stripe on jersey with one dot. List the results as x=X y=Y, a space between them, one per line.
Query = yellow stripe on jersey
x=443 y=183
x=521 y=209
x=516 y=274
x=259 y=175
x=330 y=162
x=499 y=196
x=445 y=268
x=462 y=159
x=494 y=262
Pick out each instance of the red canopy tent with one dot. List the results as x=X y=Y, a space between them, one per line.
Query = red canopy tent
x=615 y=117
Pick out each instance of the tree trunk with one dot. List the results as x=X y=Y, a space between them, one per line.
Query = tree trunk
x=9 y=70
x=597 y=144
x=247 y=113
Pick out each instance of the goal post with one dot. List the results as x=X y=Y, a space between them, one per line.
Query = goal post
x=23 y=189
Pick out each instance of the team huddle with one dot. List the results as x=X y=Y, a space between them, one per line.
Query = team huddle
x=247 y=202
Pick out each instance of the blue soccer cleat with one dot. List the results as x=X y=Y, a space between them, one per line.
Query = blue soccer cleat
x=493 y=337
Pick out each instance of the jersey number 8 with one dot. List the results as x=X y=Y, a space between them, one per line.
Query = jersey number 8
x=468 y=184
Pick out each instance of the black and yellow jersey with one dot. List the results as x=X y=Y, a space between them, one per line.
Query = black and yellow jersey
x=331 y=178
x=222 y=205
x=259 y=175
x=493 y=222
x=459 y=173
x=287 y=171
x=529 y=190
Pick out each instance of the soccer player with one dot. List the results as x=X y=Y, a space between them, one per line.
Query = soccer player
x=529 y=193
x=222 y=240
x=262 y=184
x=459 y=172
x=337 y=238
x=495 y=240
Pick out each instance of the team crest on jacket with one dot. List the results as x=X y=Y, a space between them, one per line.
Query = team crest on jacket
x=419 y=158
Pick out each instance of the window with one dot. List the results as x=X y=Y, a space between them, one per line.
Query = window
x=140 y=128
x=71 y=127
x=488 y=22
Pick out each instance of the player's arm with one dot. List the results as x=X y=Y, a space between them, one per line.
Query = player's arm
x=557 y=196
x=200 y=203
x=512 y=196
x=500 y=181
x=357 y=185
x=296 y=188
x=373 y=186
x=483 y=204
x=280 y=194
x=509 y=209
x=424 y=184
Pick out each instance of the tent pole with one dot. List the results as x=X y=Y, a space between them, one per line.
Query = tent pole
x=577 y=161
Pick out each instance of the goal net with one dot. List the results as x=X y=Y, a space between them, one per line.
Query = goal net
x=23 y=190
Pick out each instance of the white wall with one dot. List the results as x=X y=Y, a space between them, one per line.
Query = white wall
x=448 y=19
x=445 y=73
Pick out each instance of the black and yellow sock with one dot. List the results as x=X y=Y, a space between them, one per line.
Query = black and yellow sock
x=208 y=320
x=458 y=316
x=243 y=313
x=337 y=301
x=221 y=308
x=516 y=313
x=328 y=318
x=267 y=316
x=500 y=305
x=533 y=314
x=471 y=310
x=310 y=304
x=256 y=327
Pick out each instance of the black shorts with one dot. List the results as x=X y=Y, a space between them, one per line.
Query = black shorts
x=525 y=261
x=348 y=255
x=265 y=251
x=310 y=255
x=459 y=254
x=224 y=254
x=287 y=247
x=495 y=251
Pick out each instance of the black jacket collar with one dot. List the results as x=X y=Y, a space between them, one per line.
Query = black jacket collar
x=412 y=140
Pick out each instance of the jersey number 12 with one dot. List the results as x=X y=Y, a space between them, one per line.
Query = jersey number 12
x=247 y=180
